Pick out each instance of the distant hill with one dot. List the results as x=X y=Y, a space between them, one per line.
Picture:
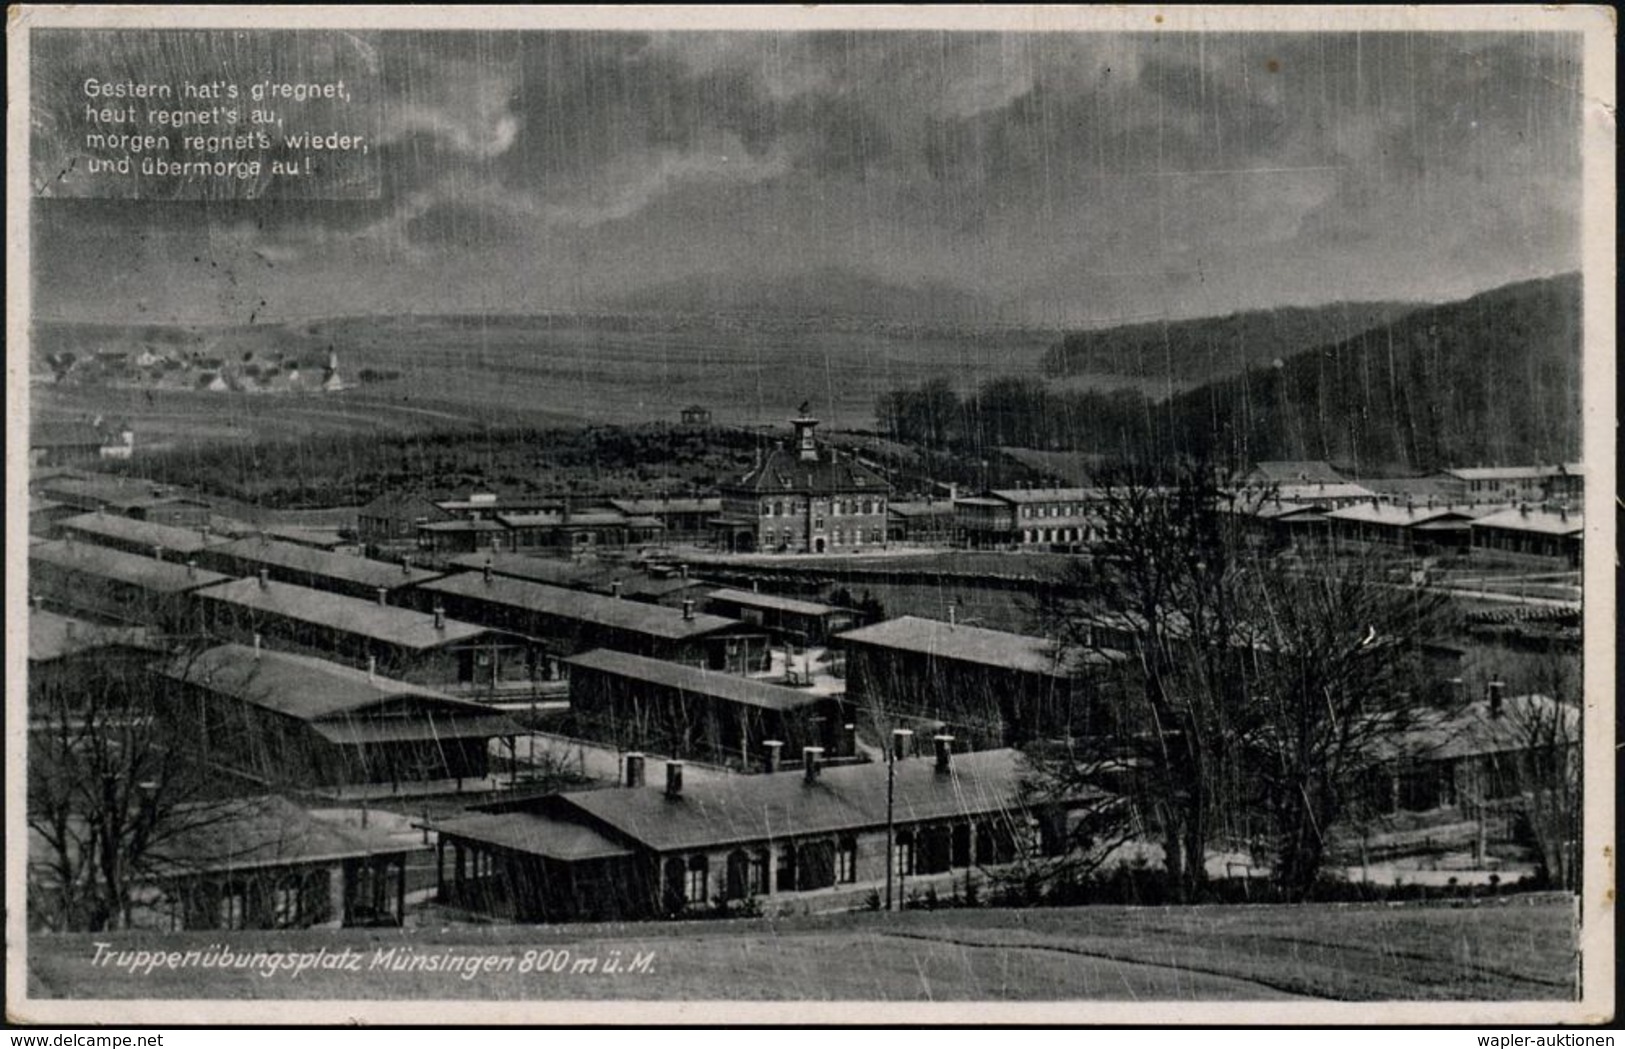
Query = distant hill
x=1494 y=379
x=828 y=291
x=1210 y=348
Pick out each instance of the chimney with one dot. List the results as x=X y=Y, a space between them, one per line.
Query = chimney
x=439 y=618
x=406 y=566
x=773 y=747
x=157 y=551
x=899 y=743
x=615 y=588
x=372 y=668
x=755 y=586
x=486 y=572
x=634 y=769
x=265 y=579
x=1458 y=690
x=945 y=745
x=674 y=779
x=1497 y=696
x=688 y=608
x=256 y=644
x=383 y=595
x=849 y=741
x=953 y=615
x=1563 y=514
x=682 y=571
x=811 y=758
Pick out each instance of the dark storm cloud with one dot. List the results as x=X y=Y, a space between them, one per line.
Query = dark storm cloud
x=1078 y=174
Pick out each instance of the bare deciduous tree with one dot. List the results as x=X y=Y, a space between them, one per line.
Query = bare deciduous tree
x=1336 y=677
x=107 y=792
x=1159 y=600
x=1256 y=687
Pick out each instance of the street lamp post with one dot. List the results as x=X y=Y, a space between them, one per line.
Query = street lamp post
x=899 y=738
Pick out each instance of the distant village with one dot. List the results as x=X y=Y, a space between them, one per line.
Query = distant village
x=479 y=706
x=173 y=368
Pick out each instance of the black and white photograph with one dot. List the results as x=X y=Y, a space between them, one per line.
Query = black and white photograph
x=1045 y=514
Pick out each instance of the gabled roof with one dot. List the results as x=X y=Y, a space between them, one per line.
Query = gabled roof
x=965 y=644
x=782 y=470
x=149 y=573
x=634 y=616
x=1289 y=471
x=1047 y=495
x=697 y=682
x=53 y=636
x=142 y=533
x=94 y=488
x=451 y=527
x=1525 y=721
x=752 y=599
x=319 y=539
x=1516 y=473
x=1544 y=522
x=726 y=810
x=402 y=627
x=941 y=507
x=535 y=833
x=266 y=831
x=1420 y=489
x=398 y=504
x=1309 y=493
x=536 y=569
x=493 y=503
x=557 y=519
x=304 y=687
x=349 y=568
x=599 y=576
x=1272 y=509
x=658 y=506
x=1397 y=515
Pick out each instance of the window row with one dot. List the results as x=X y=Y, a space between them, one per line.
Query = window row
x=839 y=507
x=1058 y=535
x=792 y=867
x=1054 y=510
x=772 y=538
x=822 y=863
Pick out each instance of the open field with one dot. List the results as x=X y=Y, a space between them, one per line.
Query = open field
x=1515 y=949
x=456 y=372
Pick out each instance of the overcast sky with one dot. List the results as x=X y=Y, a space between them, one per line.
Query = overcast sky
x=1054 y=177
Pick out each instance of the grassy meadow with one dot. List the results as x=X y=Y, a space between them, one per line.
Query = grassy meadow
x=1518 y=949
x=460 y=373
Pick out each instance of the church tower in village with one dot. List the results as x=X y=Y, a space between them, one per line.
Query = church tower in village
x=330 y=374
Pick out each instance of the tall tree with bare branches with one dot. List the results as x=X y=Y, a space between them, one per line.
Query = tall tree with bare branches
x=107 y=792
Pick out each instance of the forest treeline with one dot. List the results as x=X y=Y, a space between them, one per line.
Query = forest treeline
x=1205 y=349
x=1493 y=379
